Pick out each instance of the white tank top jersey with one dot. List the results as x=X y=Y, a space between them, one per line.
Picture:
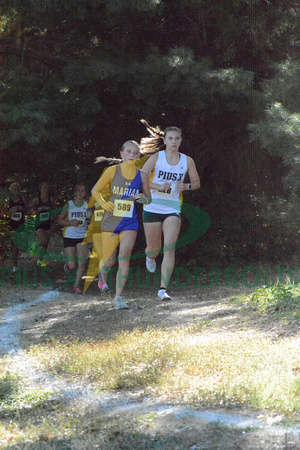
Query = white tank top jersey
x=170 y=201
x=79 y=213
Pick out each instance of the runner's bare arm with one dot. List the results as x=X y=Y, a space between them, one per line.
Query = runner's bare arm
x=63 y=219
x=25 y=202
x=145 y=197
x=33 y=205
x=103 y=181
x=193 y=175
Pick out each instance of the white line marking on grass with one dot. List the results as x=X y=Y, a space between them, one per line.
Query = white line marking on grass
x=10 y=329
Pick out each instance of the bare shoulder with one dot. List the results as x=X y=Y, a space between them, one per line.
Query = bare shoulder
x=64 y=209
x=190 y=161
x=24 y=200
x=150 y=163
x=110 y=171
x=66 y=206
x=108 y=174
x=152 y=158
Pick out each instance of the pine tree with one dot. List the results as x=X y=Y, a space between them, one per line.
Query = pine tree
x=80 y=74
x=278 y=132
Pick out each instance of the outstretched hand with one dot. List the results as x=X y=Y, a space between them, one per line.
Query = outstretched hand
x=180 y=186
x=108 y=206
x=141 y=198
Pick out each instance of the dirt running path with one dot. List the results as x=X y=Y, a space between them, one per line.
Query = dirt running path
x=31 y=316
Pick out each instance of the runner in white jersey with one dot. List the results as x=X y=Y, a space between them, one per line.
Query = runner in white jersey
x=167 y=170
x=73 y=219
x=167 y=201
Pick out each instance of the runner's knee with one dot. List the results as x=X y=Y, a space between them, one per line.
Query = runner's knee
x=110 y=263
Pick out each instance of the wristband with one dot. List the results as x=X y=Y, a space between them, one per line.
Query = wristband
x=189 y=186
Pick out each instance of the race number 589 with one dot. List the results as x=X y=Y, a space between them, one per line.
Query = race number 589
x=123 y=208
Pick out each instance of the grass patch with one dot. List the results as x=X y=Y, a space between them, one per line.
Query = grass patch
x=31 y=415
x=15 y=399
x=131 y=361
x=31 y=420
x=278 y=299
x=241 y=369
x=8 y=383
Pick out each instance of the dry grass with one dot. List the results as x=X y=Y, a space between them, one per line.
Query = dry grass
x=239 y=368
x=221 y=361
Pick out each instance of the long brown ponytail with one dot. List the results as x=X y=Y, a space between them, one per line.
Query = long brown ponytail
x=154 y=143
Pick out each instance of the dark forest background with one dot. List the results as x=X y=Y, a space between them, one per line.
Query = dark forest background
x=78 y=75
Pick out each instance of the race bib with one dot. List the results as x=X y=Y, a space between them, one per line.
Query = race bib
x=98 y=215
x=17 y=216
x=123 y=208
x=44 y=216
x=169 y=193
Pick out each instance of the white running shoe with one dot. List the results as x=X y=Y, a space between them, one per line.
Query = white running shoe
x=119 y=303
x=150 y=264
x=163 y=296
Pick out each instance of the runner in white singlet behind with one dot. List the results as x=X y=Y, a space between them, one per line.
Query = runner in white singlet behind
x=74 y=220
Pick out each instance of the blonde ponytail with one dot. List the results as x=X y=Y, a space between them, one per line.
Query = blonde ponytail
x=100 y=159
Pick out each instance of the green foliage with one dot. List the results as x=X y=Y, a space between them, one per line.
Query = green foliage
x=77 y=76
x=284 y=85
x=120 y=6
x=279 y=132
x=8 y=385
x=5 y=234
x=277 y=299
